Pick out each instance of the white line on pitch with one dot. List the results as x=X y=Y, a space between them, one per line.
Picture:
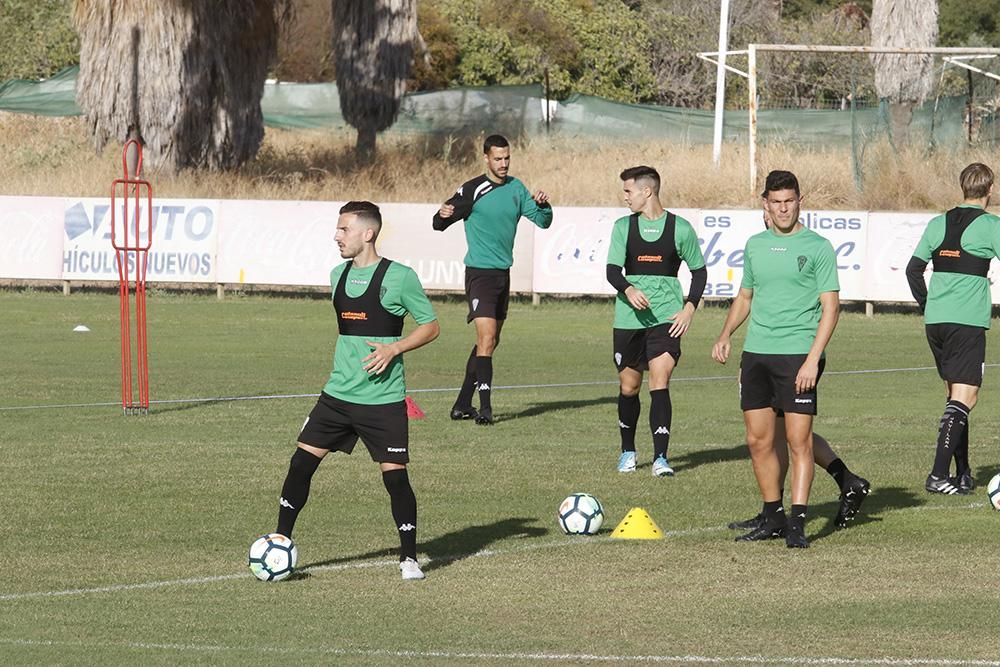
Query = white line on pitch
x=559 y=385
x=527 y=657
x=482 y=553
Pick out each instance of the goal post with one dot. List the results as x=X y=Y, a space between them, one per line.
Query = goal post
x=951 y=56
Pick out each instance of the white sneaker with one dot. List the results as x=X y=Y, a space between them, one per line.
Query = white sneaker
x=626 y=462
x=410 y=569
x=661 y=468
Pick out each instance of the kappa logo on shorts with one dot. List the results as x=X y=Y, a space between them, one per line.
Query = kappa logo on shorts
x=475 y=304
x=395 y=449
x=803 y=400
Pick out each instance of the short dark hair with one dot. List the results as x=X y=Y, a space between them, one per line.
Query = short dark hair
x=642 y=172
x=495 y=141
x=366 y=212
x=780 y=180
x=976 y=181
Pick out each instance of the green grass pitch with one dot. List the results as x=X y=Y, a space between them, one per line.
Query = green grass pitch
x=125 y=538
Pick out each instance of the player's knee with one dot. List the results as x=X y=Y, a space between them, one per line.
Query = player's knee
x=629 y=389
x=396 y=480
x=303 y=462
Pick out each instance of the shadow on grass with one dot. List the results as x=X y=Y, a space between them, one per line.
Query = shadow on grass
x=880 y=502
x=537 y=409
x=451 y=547
x=692 y=459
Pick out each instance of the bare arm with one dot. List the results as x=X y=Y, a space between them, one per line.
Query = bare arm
x=805 y=380
x=738 y=312
x=383 y=353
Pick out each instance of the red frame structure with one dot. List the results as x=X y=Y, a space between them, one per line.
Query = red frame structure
x=129 y=243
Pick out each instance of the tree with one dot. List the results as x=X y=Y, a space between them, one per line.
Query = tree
x=186 y=78
x=38 y=39
x=903 y=80
x=373 y=50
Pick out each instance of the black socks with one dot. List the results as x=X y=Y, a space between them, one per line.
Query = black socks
x=295 y=490
x=404 y=510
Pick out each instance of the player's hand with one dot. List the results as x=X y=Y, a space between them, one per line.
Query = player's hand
x=805 y=380
x=682 y=320
x=446 y=211
x=540 y=198
x=637 y=298
x=379 y=359
x=721 y=349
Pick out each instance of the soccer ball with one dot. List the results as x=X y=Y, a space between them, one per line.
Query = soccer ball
x=581 y=514
x=993 y=491
x=272 y=557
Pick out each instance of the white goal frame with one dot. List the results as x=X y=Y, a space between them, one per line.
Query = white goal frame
x=953 y=56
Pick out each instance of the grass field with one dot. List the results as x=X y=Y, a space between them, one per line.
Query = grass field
x=126 y=536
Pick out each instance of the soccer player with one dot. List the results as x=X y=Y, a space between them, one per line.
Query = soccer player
x=790 y=292
x=957 y=308
x=365 y=396
x=491 y=205
x=651 y=313
x=853 y=489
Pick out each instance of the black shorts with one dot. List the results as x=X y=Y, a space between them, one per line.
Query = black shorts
x=487 y=291
x=959 y=352
x=768 y=381
x=336 y=425
x=633 y=348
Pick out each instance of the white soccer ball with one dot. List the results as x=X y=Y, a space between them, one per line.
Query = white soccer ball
x=993 y=492
x=273 y=557
x=581 y=514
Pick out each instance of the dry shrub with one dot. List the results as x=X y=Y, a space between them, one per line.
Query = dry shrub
x=54 y=157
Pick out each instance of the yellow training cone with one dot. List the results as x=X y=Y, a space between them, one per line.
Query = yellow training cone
x=637 y=525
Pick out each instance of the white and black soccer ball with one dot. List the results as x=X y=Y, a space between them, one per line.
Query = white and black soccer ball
x=993 y=492
x=581 y=514
x=273 y=557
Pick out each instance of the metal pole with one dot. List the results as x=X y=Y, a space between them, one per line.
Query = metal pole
x=720 y=82
x=548 y=108
x=752 y=86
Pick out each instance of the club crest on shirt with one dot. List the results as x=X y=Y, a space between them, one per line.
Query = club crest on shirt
x=475 y=304
x=802 y=262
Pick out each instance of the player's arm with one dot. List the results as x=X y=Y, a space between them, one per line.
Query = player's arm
x=739 y=310
x=690 y=252
x=682 y=318
x=635 y=296
x=805 y=380
x=458 y=207
x=382 y=354
x=915 y=277
x=536 y=207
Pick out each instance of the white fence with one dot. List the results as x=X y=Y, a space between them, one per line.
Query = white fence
x=291 y=243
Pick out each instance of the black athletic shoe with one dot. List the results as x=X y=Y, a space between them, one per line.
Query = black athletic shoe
x=964 y=482
x=851 y=497
x=485 y=417
x=942 y=485
x=795 y=538
x=752 y=523
x=458 y=414
x=765 y=532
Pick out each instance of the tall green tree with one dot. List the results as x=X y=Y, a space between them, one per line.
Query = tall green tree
x=38 y=38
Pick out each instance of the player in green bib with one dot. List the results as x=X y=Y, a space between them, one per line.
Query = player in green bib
x=957 y=309
x=790 y=292
x=491 y=205
x=365 y=396
x=651 y=313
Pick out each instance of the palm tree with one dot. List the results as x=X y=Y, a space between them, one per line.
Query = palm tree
x=373 y=48
x=184 y=76
x=904 y=80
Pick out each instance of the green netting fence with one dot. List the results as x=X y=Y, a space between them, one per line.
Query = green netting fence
x=520 y=111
